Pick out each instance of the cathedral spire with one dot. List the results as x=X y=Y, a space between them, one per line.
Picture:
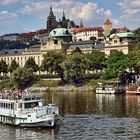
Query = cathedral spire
x=81 y=23
x=63 y=17
x=51 y=12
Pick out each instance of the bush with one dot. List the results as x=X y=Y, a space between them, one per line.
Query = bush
x=45 y=76
x=92 y=76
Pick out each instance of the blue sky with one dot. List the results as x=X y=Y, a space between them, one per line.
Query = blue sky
x=29 y=15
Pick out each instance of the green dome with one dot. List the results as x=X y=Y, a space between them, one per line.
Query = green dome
x=122 y=35
x=60 y=32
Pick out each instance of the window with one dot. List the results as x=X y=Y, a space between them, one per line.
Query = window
x=115 y=41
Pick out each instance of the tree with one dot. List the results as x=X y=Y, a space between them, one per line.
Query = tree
x=134 y=56
x=22 y=78
x=3 y=66
x=12 y=66
x=52 y=63
x=74 y=68
x=96 y=60
x=77 y=49
x=116 y=63
x=30 y=63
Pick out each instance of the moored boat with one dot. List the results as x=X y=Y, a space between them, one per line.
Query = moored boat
x=109 y=89
x=133 y=90
x=27 y=110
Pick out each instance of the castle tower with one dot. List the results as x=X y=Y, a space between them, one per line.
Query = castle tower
x=107 y=27
x=51 y=21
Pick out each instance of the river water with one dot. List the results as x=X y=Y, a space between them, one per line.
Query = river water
x=86 y=116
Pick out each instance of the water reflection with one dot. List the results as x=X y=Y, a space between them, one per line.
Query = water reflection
x=86 y=116
x=91 y=103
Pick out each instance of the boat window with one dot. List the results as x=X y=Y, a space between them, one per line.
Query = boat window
x=31 y=105
x=20 y=105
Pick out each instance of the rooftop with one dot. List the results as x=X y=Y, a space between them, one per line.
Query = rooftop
x=122 y=35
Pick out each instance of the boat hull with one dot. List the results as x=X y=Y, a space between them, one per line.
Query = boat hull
x=43 y=124
x=133 y=90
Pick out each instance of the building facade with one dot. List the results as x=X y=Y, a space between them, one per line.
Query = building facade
x=84 y=34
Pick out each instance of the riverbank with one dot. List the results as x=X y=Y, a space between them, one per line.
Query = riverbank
x=56 y=86
x=51 y=85
x=69 y=88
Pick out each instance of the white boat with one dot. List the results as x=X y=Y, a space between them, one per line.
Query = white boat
x=109 y=89
x=27 y=110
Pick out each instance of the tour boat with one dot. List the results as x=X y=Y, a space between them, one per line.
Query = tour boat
x=26 y=109
x=109 y=89
x=133 y=90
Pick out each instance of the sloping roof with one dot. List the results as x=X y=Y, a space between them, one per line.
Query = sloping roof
x=122 y=35
x=86 y=29
x=107 y=22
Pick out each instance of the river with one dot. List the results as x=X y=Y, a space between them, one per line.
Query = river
x=86 y=116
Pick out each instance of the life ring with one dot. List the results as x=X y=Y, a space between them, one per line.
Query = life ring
x=138 y=89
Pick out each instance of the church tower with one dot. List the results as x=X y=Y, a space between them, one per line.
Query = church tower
x=51 y=21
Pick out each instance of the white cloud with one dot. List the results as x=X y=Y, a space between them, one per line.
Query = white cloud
x=6 y=16
x=74 y=10
x=131 y=12
x=9 y=22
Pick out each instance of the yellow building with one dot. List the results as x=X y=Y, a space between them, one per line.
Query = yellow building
x=120 y=42
x=57 y=41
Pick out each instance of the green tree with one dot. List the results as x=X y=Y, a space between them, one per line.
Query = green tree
x=116 y=63
x=52 y=63
x=134 y=56
x=30 y=63
x=74 y=68
x=3 y=67
x=96 y=60
x=77 y=49
x=12 y=66
x=22 y=78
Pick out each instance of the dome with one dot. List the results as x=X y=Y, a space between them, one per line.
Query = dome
x=60 y=32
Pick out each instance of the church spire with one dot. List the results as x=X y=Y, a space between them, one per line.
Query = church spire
x=63 y=17
x=51 y=12
x=81 y=23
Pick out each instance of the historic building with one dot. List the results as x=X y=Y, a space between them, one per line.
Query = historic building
x=58 y=40
x=120 y=42
x=52 y=23
x=84 y=34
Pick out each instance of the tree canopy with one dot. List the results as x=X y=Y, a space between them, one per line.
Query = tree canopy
x=74 y=68
x=22 y=78
x=96 y=60
x=12 y=66
x=30 y=63
x=52 y=63
x=116 y=62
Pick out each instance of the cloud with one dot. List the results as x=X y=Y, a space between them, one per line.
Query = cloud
x=9 y=22
x=7 y=2
x=6 y=16
x=74 y=10
x=131 y=12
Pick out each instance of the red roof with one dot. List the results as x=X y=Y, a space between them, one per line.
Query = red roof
x=29 y=34
x=107 y=22
x=86 y=29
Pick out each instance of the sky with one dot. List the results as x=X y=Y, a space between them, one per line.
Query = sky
x=18 y=16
